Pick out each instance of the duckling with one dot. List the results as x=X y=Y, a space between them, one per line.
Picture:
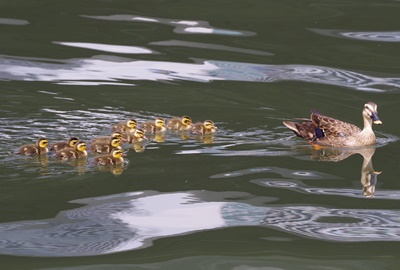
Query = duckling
x=205 y=128
x=62 y=145
x=124 y=127
x=137 y=136
x=102 y=148
x=115 y=157
x=180 y=123
x=107 y=139
x=39 y=148
x=79 y=151
x=155 y=126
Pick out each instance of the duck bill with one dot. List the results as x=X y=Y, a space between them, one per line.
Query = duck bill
x=375 y=119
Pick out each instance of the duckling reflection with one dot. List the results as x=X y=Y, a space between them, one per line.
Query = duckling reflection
x=206 y=139
x=369 y=176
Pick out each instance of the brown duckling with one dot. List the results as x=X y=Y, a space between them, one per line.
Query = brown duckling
x=180 y=123
x=137 y=136
x=124 y=127
x=107 y=139
x=79 y=151
x=62 y=145
x=39 y=148
x=204 y=128
x=156 y=126
x=115 y=157
x=105 y=148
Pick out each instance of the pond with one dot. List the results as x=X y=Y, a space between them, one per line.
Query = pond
x=251 y=196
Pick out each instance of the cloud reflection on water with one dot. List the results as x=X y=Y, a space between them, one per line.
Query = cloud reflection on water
x=130 y=221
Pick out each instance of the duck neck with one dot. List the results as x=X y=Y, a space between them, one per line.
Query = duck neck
x=367 y=122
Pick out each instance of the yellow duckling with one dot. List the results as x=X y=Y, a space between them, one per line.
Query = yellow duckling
x=137 y=136
x=107 y=139
x=115 y=157
x=156 y=126
x=103 y=148
x=124 y=127
x=39 y=148
x=205 y=128
x=180 y=123
x=62 y=145
x=79 y=151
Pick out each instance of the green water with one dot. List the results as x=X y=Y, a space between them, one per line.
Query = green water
x=251 y=197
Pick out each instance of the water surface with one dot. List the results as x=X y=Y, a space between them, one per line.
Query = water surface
x=251 y=197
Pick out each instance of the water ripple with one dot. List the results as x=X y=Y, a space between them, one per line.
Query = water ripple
x=383 y=36
x=131 y=221
x=365 y=225
x=96 y=70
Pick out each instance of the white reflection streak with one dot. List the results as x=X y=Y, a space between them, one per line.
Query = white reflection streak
x=168 y=214
x=107 y=47
x=94 y=69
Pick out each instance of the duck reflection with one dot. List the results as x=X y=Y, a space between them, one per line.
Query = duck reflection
x=369 y=176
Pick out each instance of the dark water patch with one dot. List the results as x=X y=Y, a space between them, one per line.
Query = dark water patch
x=283 y=172
x=238 y=262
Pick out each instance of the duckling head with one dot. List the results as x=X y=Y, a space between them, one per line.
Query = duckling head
x=73 y=141
x=115 y=142
x=186 y=120
x=371 y=111
x=139 y=133
x=160 y=122
x=117 y=153
x=208 y=124
x=80 y=146
x=116 y=134
x=131 y=124
x=42 y=142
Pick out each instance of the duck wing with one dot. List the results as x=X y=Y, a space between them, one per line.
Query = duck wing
x=332 y=127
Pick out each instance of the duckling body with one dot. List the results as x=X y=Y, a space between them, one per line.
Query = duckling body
x=39 y=148
x=103 y=148
x=124 y=127
x=326 y=131
x=79 y=151
x=155 y=126
x=62 y=145
x=107 y=139
x=114 y=158
x=204 y=128
x=137 y=137
x=180 y=123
